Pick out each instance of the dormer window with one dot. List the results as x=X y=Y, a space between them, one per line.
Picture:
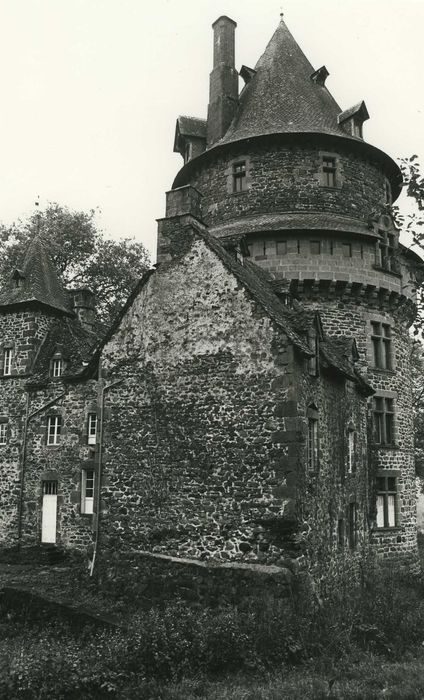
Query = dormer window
x=57 y=367
x=387 y=192
x=7 y=362
x=188 y=150
x=352 y=119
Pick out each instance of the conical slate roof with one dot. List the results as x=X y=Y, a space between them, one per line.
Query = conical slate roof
x=35 y=281
x=281 y=97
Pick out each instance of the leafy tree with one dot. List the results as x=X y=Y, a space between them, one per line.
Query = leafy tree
x=82 y=255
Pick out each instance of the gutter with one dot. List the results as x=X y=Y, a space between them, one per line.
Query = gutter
x=99 y=472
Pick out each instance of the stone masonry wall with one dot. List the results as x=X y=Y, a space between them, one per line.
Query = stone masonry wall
x=62 y=463
x=284 y=178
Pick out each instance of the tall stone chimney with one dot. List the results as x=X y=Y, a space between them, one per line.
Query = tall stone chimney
x=84 y=306
x=223 y=85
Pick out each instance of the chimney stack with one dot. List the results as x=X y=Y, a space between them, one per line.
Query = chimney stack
x=223 y=85
x=84 y=307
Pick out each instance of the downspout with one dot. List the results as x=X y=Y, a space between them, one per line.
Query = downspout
x=104 y=389
x=28 y=417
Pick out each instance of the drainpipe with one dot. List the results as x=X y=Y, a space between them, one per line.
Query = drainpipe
x=104 y=389
x=28 y=417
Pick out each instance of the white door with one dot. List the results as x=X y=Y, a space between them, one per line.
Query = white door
x=49 y=514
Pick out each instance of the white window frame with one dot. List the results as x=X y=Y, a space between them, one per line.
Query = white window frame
x=7 y=362
x=92 y=428
x=3 y=433
x=88 y=480
x=54 y=428
x=57 y=367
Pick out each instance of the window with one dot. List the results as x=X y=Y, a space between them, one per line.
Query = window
x=383 y=420
x=312 y=439
x=386 y=253
x=3 y=433
x=356 y=129
x=187 y=152
x=386 y=501
x=87 y=491
x=239 y=176
x=329 y=171
x=351 y=440
x=347 y=250
x=353 y=525
x=281 y=247
x=57 y=367
x=7 y=361
x=315 y=247
x=381 y=338
x=92 y=428
x=54 y=425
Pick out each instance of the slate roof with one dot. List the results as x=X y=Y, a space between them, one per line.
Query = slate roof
x=73 y=341
x=192 y=126
x=38 y=281
x=282 y=98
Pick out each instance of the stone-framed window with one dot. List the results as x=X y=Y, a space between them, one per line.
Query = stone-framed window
x=54 y=429
x=347 y=250
x=313 y=362
x=381 y=339
x=330 y=173
x=238 y=175
x=387 y=499
x=7 y=361
x=87 y=491
x=282 y=247
x=315 y=247
x=384 y=420
x=91 y=428
x=3 y=432
x=312 y=438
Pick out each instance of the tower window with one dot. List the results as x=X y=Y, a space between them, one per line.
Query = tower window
x=7 y=361
x=384 y=415
x=351 y=439
x=54 y=427
x=386 y=501
x=347 y=250
x=315 y=247
x=3 y=433
x=329 y=171
x=381 y=338
x=386 y=252
x=239 y=176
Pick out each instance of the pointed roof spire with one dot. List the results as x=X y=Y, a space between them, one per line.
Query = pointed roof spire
x=35 y=281
x=281 y=97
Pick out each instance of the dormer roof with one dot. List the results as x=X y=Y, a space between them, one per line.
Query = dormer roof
x=36 y=281
x=186 y=128
x=285 y=95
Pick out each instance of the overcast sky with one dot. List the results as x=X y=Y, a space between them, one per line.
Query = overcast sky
x=91 y=90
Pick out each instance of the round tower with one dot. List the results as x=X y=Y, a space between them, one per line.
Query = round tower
x=292 y=176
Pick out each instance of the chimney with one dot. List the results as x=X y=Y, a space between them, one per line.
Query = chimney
x=223 y=85
x=84 y=307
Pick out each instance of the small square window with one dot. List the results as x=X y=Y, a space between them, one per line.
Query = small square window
x=315 y=247
x=281 y=247
x=3 y=433
x=54 y=427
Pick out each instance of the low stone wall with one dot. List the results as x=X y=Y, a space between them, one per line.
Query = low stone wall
x=146 y=578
